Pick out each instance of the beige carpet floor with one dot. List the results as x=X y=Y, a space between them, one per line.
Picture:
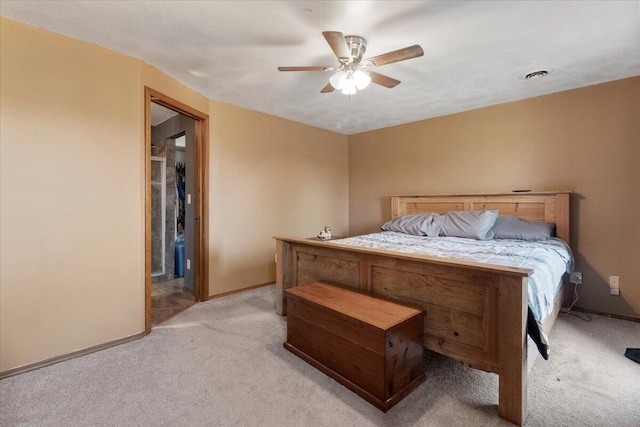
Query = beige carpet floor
x=221 y=363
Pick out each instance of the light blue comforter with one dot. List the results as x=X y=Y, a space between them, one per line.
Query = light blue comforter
x=549 y=259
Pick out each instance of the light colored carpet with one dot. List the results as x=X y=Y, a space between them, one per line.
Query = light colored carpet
x=221 y=363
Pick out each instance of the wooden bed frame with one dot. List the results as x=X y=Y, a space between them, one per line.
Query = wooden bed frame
x=475 y=313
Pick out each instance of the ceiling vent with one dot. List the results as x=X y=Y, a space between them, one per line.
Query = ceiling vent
x=535 y=75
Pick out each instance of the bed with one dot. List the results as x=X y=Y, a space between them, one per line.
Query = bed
x=476 y=312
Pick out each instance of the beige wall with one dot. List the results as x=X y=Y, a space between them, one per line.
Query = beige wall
x=72 y=192
x=71 y=269
x=586 y=140
x=268 y=177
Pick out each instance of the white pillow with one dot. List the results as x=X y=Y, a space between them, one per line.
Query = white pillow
x=470 y=224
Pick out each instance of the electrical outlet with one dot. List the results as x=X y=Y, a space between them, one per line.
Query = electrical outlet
x=576 y=278
x=614 y=285
x=188 y=264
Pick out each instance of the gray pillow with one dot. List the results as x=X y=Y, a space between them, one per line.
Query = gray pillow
x=514 y=227
x=426 y=224
x=470 y=224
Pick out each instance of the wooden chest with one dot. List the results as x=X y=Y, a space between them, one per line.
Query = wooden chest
x=371 y=346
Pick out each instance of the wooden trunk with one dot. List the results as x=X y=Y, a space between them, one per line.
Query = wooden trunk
x=371 y=346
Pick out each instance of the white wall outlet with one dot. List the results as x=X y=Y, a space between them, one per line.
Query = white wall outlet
x=614 y=285
x=188 y=264
x=576 y=278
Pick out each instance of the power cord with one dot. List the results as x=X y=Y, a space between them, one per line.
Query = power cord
x=581 y=316
x=569 y=311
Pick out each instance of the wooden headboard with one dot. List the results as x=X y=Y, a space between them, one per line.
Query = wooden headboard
x=547 y=206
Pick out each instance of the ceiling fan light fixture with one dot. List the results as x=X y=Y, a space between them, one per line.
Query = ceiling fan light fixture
x=349 y=87
x=354 y=73
x=338 y=79
x=361 y=79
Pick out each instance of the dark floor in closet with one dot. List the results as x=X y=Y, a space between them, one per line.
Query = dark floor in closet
x=168 y=299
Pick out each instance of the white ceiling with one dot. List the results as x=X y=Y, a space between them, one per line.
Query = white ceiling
x=160 y=114
x=475 y=51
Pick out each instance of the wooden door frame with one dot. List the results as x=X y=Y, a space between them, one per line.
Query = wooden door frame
x=201 y=272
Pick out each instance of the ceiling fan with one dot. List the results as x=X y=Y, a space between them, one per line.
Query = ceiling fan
x=354 y=73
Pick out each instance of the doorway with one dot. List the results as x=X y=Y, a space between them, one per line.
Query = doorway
x=176 y=207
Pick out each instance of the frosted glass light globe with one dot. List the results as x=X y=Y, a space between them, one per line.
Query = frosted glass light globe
x=362 y=79
x=349 y=87
x=338 y=79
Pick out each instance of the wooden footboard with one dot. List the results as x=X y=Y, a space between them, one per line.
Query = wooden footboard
x=475 y=313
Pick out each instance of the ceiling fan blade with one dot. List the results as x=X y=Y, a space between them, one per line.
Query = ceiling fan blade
x=395 y=56
x=328 y=88
x=306 y=68
x=338 y=45
x=383 y=80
